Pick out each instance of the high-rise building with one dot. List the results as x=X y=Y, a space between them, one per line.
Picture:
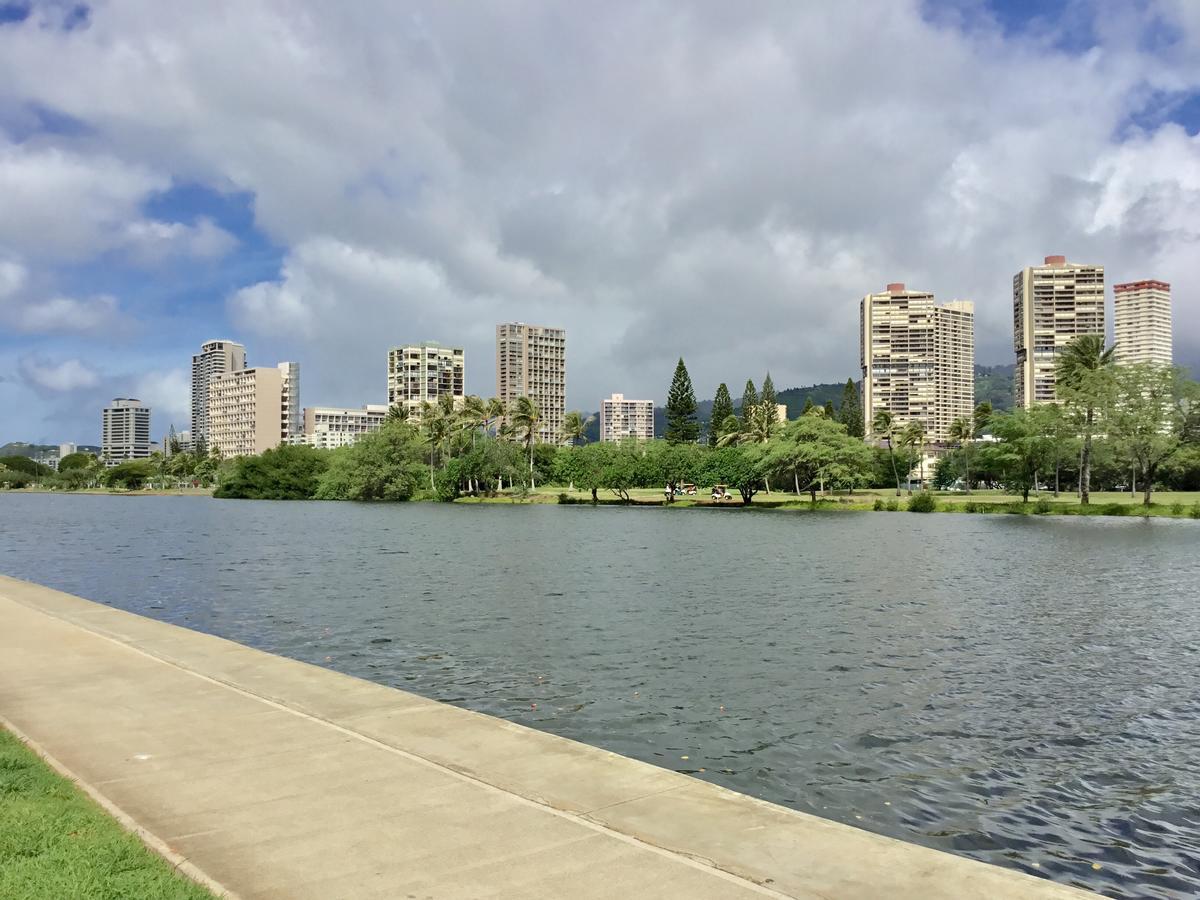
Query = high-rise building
x=255 y=409
x=125 y=431
x=424 y=373
x=917 y=358
x=1142 y=322
x=621 y=419
x=215 y=358
x=330 y=427
x=66 y=449
x=531 y=361
x=1053 y=304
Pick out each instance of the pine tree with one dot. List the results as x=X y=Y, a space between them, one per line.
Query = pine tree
x=722 y=409
x=767 y=401
x=682 y=425
x=829 y=413
x=749 y=401
x=851 y=413
x=808 y=405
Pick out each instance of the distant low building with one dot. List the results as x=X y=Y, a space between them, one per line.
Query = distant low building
x=330 y=427
x=125 y=431
x=621 y=419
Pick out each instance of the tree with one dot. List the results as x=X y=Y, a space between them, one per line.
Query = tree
x=913 y=437
x=76 y=461
x=130 y=476
x=808 y=406
x=1146 y=419
x=573 y=427
x=738 y=467
x=817 y=451
x=384 y=465
x=851 y=413
x=1021 y=451
x=284 y=473
x=749 y=400
x=722 y=409
x=830 y=414
x=435 y=426
x=767 y=400
x=1082 y=377
x=982 y=417
x=526 y=419
x=884 y=426
x=962 y=432
x=682 y=425
x=396 y=413
x=1053 y=423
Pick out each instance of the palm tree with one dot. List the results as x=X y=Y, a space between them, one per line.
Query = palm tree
x=962 y=432
x=885 y=427
x=526 y=419
x=495 y=412
x=913 y=436
x=435 y=425
x=573 y=427
x=396 y=413
x=1082 y=374
x=474 y=415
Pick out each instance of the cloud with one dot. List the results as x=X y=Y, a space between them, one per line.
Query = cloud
x=167 y=393
x=68 y=375
x=150 y=241
x=13 y=276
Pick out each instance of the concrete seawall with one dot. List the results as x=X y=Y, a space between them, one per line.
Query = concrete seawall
x=267 y=777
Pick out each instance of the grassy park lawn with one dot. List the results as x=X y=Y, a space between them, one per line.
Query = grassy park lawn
x=1179 y=504
x=56 y=844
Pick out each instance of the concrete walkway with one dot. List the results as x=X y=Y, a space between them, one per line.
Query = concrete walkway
x=267 y=777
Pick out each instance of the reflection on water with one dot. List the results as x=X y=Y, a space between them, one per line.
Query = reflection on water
x=1020 y=690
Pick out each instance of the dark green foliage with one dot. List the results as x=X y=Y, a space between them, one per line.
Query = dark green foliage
x=767 y=399
x=24 y=464
x=1114 y=509
x=893 y=505
x=1043 y=506
x=386 y=465
x=75 y=461
x=923 y=502
x=994 y=385
x=749 y=400
x=682 y=425
x=1195 y=513
x=129 y=476
x=878 y=507
x=722 y=409
x=10 y=478
x=285 y=473
x=829 y=411
x=1177 y=509
x=737 y=467
x=851 y=413
x=447 y=481
x=808 y=406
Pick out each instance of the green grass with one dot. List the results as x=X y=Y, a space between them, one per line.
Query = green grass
x=56 y=844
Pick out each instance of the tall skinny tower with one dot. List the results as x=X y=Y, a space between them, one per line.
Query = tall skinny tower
x=918 y=359
x=215 y=358
x=1142 y=321
x=1053 y=304
x=531 y=361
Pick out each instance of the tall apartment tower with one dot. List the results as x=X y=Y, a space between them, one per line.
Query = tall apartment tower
x=424 y=373
x=531 y=361
x=124 y=431
x=1142 y=321
x=621 y=419
x=917 y=358
x=255 y=409
x=1053 y=304
x=215 y=358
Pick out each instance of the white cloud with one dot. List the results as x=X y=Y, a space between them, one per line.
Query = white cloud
x=151 y=241
x=68 y=375
x=167 y=393
x=13 y=276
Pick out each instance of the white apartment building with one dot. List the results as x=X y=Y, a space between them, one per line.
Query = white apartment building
x=424 y=373
x=215 y=358
x=254 y=409
x=330 y=427
x=1052 y=305
x=124 y=431
x=531 y=361
x=1142 y=322
x=621 y=419
x=917 y=358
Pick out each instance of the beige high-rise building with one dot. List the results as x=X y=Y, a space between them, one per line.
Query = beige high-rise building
x=1052 y=305
x=1142 y=322
x=531 y=361
x=125 y=431
x=330 y=427
x=215 y=358
x=917 y=358
x=254 y=409
x=424 y=373
x=621 y=419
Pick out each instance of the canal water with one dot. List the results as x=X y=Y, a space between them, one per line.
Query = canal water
x=1024 y=691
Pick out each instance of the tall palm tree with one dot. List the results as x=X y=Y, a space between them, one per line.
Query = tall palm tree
x=914 y=436
x=883 y=426
x=526 y=419
x=1081 y=373
x=474 y=415
x=397 y=413
x=962 y=432
x=435 y=425
x=573 y=426
x=495 y=412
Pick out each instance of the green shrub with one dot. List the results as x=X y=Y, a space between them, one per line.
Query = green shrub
x=10 y=478
x=892 y=505
x=1114 y=509
x=1017 y=508
x=970 y=506
x=1043 y=506
x=878 y=507
x=284 y=473
x=923 y=502
x=1177 y=509
x=1196 y=510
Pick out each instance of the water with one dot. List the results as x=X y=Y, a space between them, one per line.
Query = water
x=1024 y=691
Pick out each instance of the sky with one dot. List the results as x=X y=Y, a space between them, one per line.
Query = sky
x=323 y=181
